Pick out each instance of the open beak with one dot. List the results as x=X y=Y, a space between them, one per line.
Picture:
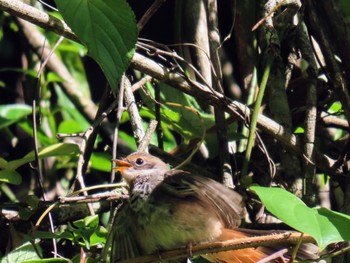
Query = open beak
x=122 y=165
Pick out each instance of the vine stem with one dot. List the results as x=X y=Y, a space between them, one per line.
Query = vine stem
x=255 y=115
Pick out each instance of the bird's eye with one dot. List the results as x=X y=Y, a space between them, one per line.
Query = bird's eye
x=139 y=161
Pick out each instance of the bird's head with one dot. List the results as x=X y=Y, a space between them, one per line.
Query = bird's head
x=141 y=165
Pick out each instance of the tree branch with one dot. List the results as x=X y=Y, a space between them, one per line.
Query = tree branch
x=213 y=247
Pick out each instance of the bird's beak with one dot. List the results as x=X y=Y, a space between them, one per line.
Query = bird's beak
x=122 y=165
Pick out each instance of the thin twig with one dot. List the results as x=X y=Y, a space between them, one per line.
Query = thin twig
x=143 y=146
x=119 y=113
x=88 y=133
x=39 y=170
x=157 y=109
x=37 y=17
x=220 y=120
x=149 y=13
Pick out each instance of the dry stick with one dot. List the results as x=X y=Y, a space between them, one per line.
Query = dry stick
x=42 y=216
x=309 y=168
x=220 y=120
x=131 y=107
x=89 y=132
x=159 y=131
x=36 y=147
x=176 y=80
x=143 y=146
x=332 y=121
x=149 y=13
x=119 y=113
x=92 y=198
x=39 y=170
x=37 y=17
x=214 y=247
x=141 y=83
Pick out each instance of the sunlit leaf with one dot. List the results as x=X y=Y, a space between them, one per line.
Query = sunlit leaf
x=324 y=225
x=10 y=176
x=58 y=149
x=23 y=253
x=12 y=113
x=107 y=28
x=101 y=162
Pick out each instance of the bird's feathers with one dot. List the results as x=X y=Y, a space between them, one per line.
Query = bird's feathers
x=182 y=185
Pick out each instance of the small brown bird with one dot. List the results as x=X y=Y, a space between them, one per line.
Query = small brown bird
x=168 y=209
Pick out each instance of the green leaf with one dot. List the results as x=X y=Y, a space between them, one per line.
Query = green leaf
x=324 y=225
x=89 y=221
x=3 y=163
x=58 y=149
x=70 y=126
x=107 y=28
x=101 y=162
x=335 y=107
x=99 y=236
x=21 y=254
x=33 y=201
x=11 y=177
x=12 y=113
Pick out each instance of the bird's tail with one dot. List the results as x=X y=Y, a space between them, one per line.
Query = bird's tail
x=260 y=254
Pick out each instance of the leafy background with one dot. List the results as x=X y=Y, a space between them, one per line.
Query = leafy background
x=82 y=79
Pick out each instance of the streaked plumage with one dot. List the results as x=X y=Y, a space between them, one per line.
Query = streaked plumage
x=171 y=209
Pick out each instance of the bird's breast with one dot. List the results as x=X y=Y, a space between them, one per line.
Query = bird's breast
x=174 y=224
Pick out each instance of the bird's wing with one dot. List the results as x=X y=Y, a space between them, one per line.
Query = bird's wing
x=227 y=203
x=124 y=245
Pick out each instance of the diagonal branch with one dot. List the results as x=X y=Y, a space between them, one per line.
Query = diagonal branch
x=213 y=247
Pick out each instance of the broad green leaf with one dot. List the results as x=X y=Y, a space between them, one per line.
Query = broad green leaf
x=3 y=163
x=99 y=236
x=21 y=254
x=89 y=221
x=10 y=176
x=58 y=149
x=101 y=161
x=107 y=28
x=12 y=113
x=335 y=107
x=70 y=126
x=324 y=225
